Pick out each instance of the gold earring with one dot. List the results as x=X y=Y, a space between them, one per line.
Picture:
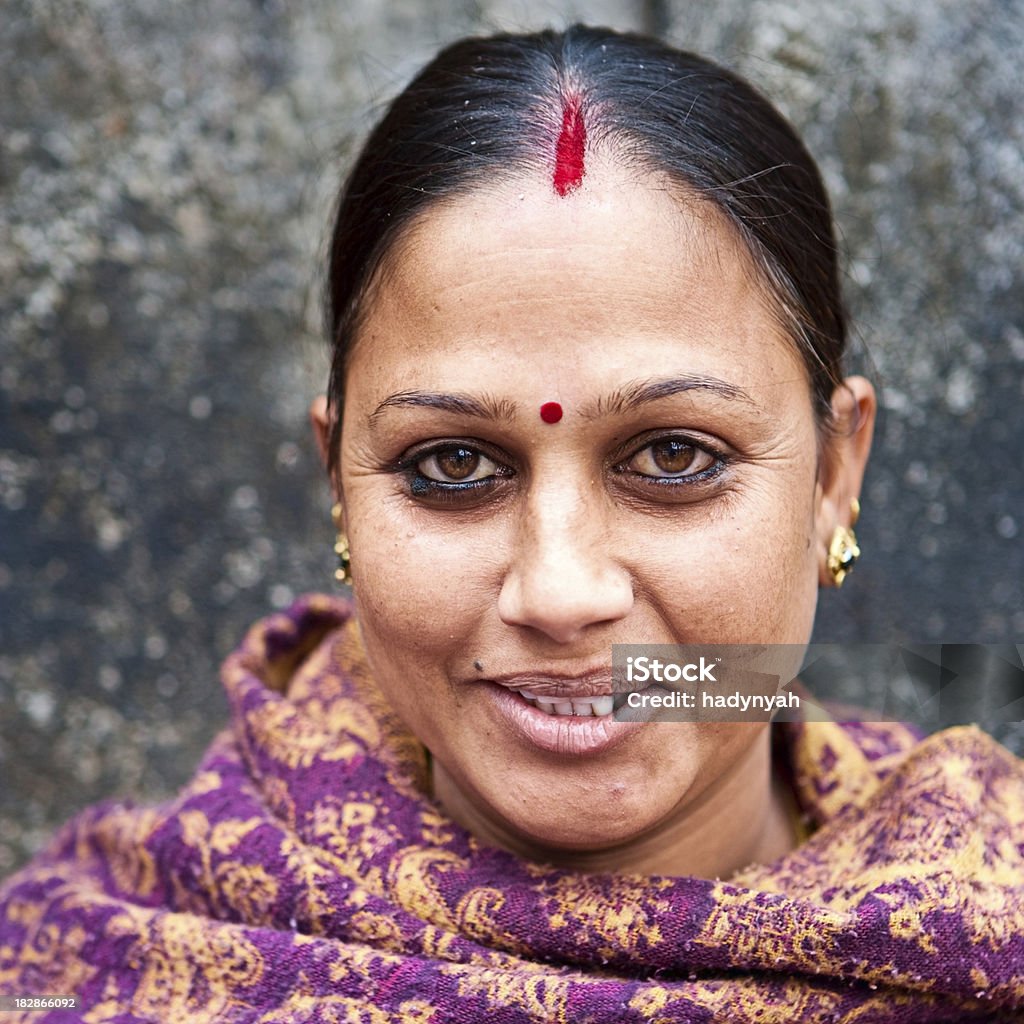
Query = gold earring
x=343 y=574
x=843 y=551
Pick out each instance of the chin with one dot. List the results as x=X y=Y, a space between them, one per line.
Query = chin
x=593 y=815
x=568 y=839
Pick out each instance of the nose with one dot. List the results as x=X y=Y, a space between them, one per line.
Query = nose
x=564 y=575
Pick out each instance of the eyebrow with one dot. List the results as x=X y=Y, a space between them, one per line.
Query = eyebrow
x=482 y=406
x=621 y=400
x=636 y=393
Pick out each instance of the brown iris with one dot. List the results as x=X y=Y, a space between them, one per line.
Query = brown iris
x=457 y=463
x=673 y=456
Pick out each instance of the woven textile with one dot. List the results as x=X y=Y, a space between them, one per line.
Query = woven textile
x=304 y=874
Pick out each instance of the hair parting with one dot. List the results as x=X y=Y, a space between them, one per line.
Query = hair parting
x=570 y=147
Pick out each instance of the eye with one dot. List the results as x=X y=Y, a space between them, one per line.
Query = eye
x=456 y=464
x=671 y=458
x=455 y=474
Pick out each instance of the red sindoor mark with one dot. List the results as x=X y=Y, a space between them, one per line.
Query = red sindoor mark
x=569 y=149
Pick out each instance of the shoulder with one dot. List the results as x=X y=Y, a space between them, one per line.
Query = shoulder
x=833 y=766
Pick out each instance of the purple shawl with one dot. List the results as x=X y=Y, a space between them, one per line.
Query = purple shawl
x=304 y=875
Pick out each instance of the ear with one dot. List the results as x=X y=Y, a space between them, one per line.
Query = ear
x=321 y=424
x=841 y=471
x=320 y=420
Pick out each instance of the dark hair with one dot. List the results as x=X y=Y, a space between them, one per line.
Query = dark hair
x=486 y=109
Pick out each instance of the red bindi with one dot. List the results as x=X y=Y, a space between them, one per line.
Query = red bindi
x=550 y=412
x=569 y=149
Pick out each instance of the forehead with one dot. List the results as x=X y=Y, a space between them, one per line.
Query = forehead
x=624 y=267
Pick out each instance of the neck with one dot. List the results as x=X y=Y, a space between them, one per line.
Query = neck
x=743 y=817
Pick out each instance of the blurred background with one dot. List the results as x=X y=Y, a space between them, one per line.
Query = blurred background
x=166 y=176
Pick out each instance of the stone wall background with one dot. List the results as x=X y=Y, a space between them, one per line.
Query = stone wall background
x=165 y=177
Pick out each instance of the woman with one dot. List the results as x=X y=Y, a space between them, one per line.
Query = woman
x=586 y=390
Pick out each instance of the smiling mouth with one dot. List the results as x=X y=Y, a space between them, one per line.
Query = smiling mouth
x=579 y=707
x=568 y=715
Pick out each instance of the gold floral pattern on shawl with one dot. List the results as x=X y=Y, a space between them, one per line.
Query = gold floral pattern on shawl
x=121 y=841
x=545 y=996
x=413 y=882
x=475 y=915
x=349 y=830
x=620 y=917
x=248 y=889
x=312 y=871
x=49 y=955
x=294 y=741
x=741 y=924
x=188 y=966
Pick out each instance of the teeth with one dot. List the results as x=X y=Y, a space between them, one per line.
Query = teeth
x=583 y=707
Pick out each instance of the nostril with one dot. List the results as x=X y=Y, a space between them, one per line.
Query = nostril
x=562 y=602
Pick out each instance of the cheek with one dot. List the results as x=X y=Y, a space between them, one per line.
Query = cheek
x=750 y=575
x=420 y=591
x=777 y=577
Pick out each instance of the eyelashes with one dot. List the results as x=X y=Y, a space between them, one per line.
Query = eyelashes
x=457 y=464
x=672 y=458
x=453 y=473
x=673 y=465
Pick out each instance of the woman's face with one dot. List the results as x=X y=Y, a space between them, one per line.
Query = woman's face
x=677 y=500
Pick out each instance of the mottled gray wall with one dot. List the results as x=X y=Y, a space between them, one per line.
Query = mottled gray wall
x=165 y=173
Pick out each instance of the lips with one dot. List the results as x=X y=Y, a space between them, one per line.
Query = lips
x=558 y=688
x=588 y=695
x=566 y=715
